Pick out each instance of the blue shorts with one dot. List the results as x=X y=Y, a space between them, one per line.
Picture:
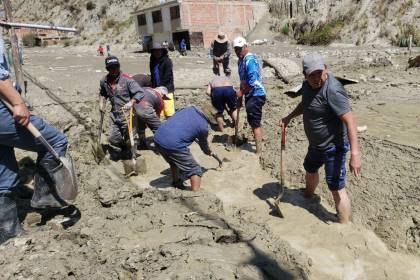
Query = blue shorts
x=253 y=105
x=334 y=159
x=221 y=96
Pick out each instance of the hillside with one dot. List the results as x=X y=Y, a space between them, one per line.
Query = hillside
x=105 y=21
x=349 y=21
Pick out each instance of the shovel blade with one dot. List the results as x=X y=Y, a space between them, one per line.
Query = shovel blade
x=277 y=201
x=65 y=179
x=134 y=167
x=98 y=152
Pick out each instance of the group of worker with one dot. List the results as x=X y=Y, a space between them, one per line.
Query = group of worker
x=327 y=117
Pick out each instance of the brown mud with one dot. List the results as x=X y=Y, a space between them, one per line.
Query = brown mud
x=144 y=229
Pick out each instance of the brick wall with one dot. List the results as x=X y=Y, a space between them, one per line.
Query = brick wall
x=235 y=18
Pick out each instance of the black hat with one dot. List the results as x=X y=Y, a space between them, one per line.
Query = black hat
x=111 y=60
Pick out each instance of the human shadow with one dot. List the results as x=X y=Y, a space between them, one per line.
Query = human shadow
x=294 y=197
x=165 y=181
x=267 y=265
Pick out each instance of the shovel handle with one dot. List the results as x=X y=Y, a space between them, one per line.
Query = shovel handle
x=35 y=132
x=283 y=137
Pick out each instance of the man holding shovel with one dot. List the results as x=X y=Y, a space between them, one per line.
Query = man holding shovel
x=330 y=128
x=14 y=134
x=174 y=136
x=252 y=87
x=123 y=92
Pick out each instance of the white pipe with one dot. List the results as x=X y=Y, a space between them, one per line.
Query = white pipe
x=37 y=26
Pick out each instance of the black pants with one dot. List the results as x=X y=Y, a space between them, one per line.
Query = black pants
x=225 y=63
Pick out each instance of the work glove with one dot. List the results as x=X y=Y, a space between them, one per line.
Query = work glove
x=128 y=106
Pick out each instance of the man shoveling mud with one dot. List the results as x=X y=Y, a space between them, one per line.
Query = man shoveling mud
x=123 y=92
x=330 y=127
x=223 y=95
x=252 y=87
x=14 y=134
x=148 y=112
x=175 y=136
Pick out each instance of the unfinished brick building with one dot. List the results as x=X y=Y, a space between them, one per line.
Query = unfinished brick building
x=198 y=21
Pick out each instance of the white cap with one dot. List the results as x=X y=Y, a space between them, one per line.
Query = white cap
x=239 y=42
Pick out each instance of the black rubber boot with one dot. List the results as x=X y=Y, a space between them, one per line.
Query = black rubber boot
x=44 y=188
x=9 y=222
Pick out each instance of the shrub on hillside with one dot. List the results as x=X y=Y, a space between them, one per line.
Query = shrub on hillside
x=90 y=6
x=323 y=34
x=402 y=39
x=285 y=29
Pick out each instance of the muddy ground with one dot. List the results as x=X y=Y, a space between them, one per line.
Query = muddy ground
x=144 y=229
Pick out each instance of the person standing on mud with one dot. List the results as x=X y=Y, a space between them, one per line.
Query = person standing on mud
x=14 y=134
x=123 y=92
x=220 y=52
x=174 y=136
x=252 y=87
x=162 y=75
x=223 y=95
x=330 y=128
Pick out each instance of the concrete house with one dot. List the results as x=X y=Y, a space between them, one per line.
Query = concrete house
x=198 y=21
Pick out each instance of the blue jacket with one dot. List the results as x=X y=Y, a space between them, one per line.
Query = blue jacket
x=183 y=128
x=250 y=72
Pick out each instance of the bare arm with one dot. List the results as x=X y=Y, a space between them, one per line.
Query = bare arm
x=355 y=163
x=295 y=113
x=208 y=90
x=20 y=111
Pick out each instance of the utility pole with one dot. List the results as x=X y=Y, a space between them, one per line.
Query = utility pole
x=15 y=47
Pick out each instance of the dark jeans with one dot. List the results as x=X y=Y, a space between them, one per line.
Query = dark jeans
x=24 y=140
x=225 y=63
x=146 y=117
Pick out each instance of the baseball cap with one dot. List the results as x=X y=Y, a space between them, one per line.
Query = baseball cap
x=111 y=60
x=312 y=62
x=162 y=90
x=239 y=42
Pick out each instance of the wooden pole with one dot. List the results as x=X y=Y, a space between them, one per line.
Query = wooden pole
x=410 y=41
x=14 y=41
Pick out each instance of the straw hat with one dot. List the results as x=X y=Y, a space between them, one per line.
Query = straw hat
x=221 y=38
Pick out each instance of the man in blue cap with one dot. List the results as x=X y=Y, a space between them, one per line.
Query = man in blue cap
x=330 y=128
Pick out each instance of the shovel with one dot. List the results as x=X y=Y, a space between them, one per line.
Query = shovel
x=64 y=175
x=97 y=150
x=134 y=166
x=282 y=183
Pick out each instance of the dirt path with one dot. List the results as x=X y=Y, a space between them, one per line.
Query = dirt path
x=335 y=251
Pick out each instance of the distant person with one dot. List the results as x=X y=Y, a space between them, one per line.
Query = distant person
x=330 y=127
x=174 y=136
x=220 y=52
x=20 y=52
x=123 y=92
x=101 y=50
x=252 y=87
x=108 y=50
x=162 y=75
x=183 y=47
x=223 y=95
